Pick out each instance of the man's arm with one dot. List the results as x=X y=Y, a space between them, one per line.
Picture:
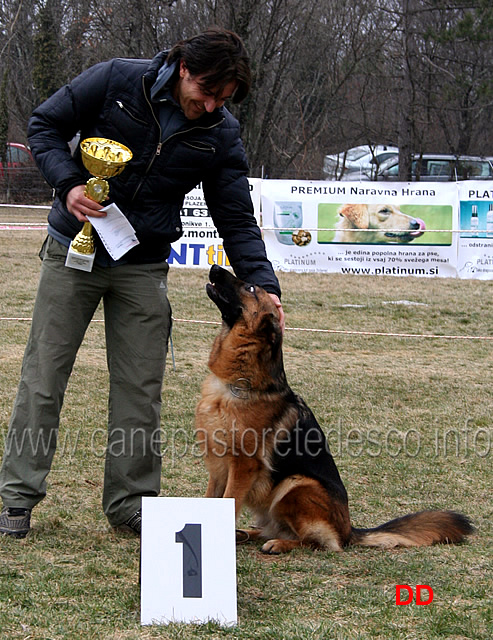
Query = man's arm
x=55 y=122
x=227 y=194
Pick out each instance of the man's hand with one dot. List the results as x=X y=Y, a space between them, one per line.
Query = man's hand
x=278 y=304
x=81 y=207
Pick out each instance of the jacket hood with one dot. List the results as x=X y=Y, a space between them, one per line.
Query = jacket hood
x=154 y=66
x=161 y=86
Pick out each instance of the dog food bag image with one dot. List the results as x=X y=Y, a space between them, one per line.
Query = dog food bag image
x=470 y=221
x=489 y=221
x=288 y=217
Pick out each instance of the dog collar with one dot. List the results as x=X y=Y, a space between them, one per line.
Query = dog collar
x=241 y=388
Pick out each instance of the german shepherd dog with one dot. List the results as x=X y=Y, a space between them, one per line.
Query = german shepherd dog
x=263 y=446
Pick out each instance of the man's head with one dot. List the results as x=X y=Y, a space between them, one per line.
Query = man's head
x=213 y=67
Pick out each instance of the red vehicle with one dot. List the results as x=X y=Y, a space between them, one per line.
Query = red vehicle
x=18 y=155
x=20 y=179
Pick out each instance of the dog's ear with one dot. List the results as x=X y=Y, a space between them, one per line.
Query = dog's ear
x=270 y=327
x=357 y=214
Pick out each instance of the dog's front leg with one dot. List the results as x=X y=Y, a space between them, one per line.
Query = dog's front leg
x=215 y=488
x=242 y=475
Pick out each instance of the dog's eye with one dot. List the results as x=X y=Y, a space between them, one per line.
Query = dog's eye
x=250 y=288
x=384 y=213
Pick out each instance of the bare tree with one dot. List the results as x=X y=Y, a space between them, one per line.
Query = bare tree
x=458 y=51
x=328 y=74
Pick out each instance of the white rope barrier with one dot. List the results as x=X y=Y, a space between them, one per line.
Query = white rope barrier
x=357 y=229
x=26 y=206
x=359 y=333
x=328 y=331
x=14 y=226
x=23 y=226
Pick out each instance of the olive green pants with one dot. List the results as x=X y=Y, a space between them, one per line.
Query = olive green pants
x=137 y=318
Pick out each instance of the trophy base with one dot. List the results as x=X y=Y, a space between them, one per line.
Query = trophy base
x=80 y=261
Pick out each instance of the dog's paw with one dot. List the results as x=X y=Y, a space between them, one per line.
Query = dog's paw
x=276 y=546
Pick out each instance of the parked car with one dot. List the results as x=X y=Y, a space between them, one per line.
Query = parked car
x=363 y=159
x=20 y=179
x=441 y=168
x=18 y=155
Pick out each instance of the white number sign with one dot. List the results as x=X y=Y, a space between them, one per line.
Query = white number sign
x=188 y=570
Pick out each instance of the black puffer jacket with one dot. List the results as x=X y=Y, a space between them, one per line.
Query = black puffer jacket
x=112 y=100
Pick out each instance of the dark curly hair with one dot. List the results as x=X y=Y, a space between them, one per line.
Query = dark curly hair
x=220 y=57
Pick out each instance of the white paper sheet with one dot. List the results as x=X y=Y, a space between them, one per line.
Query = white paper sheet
x=115 y=231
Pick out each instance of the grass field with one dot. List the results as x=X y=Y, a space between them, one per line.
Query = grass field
x=409 y=421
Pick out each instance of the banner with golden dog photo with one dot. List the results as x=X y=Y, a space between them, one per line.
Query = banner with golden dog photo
x=364 y=228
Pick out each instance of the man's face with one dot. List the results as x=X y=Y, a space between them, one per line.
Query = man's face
x=194 y=100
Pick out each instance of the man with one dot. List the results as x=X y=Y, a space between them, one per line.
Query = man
x=170 y=113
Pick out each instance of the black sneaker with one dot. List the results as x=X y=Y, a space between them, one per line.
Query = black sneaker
x=133 y=524
x=15 y=522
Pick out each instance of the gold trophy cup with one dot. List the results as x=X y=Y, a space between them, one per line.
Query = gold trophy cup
x=103 y=158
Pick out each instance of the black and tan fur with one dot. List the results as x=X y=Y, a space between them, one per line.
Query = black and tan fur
x=263 y=446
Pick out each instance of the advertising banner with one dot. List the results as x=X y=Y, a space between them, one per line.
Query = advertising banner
x=361 y=228
x=200 y=245
x=476 y=230
x=419 y=229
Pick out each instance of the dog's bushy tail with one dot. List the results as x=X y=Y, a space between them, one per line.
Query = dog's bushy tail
x=415 y=530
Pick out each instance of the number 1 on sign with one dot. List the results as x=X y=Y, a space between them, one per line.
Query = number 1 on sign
x=191 y=538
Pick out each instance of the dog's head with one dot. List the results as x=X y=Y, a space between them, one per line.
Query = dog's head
x=251 y=335
x=386 y=222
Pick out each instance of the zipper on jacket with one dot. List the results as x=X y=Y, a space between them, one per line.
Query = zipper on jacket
x=161 y=144
x=129 y=113
x=208 y=148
